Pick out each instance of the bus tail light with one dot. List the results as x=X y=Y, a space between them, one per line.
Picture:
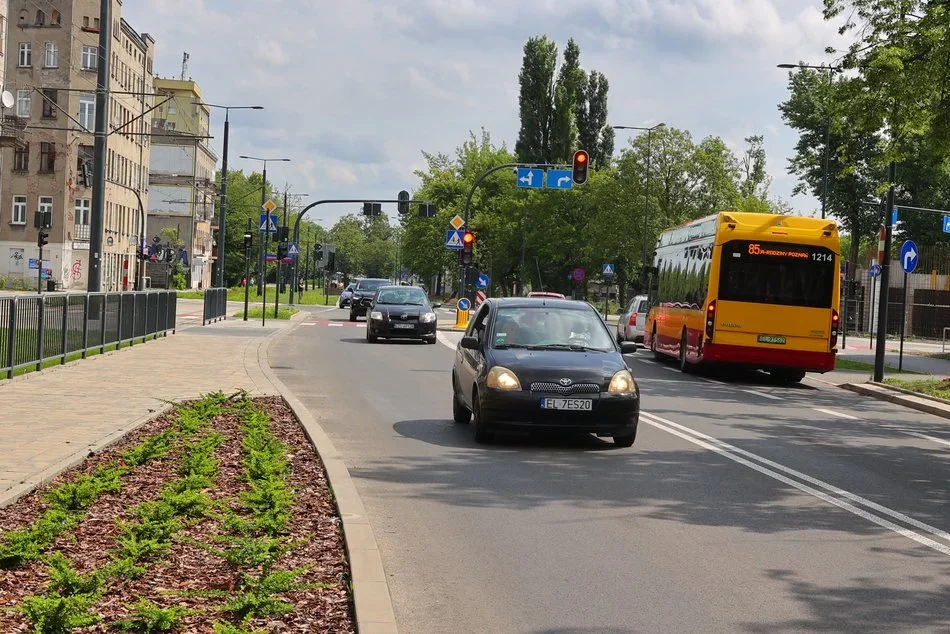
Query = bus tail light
x=633 y=319
x=710 y=318
x=834 y=327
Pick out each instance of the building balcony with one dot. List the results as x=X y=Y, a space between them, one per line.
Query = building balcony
x=13 y=132
x=80 y=232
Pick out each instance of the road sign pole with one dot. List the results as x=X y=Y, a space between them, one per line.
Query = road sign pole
x=261 y=267
x=900 y=358
x=885 y=278
x=247 y=272
x=871 y=314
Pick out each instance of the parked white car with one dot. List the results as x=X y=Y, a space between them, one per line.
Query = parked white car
x=630 y=326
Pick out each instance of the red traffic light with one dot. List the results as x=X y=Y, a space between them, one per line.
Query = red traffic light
x=581 y=163
x=468 y=238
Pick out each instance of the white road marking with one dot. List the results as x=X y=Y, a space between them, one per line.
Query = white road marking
x=309 y=323
x=926 y=437
x=834 y=413
x=445 y=341
x=669 y=369
x=763 y=395
x=335 y=325
x=736 y=455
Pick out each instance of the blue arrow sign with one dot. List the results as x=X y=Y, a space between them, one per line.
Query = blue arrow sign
x=875 y=270
x=453 y=239
x=464 y=304
x=560 y=179
x=530 y=178
x=482 y=281
x=909 y=256
x=293 y=248
x=608 y=269
x=946 y=224
x=894 y=216
x=273 y=224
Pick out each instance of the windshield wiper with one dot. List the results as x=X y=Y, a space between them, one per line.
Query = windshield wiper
x=505 y=346
x=578 y=347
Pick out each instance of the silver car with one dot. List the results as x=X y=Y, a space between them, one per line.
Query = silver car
x=630 y=326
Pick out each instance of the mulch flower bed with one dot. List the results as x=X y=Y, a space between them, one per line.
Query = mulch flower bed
x=232 y=529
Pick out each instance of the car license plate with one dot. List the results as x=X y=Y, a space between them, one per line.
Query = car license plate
x=569 y=404
x=772 y=339
x=404 y=326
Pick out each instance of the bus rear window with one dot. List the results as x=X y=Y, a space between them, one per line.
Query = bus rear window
x=777 y=273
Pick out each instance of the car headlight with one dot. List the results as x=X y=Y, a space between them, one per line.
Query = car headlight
x=427 y=318
x=623 y=383
x=504 y=379
x=376 y=315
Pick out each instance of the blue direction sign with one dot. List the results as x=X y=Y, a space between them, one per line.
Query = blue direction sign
x=608 y=269
x=293 y=249
x=453 y=239
x=263 y=224
x=875 y=270
x=465 y=304
x=894 y=216
x=946 y=224
x=530 y=177
x=909 y=256
x=482 y=281
x=560 y=179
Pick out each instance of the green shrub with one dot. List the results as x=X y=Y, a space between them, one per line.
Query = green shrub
x=65 y=581
x=56 y=614
x=148 y=618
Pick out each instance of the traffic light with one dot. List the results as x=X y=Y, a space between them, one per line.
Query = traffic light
x=248 y=241
x=331 y=260
x=281 y=250
x=372 y=209
x=468 y=244
x=403 y=205
x=581 y=163
x=42 y=239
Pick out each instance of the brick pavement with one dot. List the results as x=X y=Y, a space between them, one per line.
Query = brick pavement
x=51 y=420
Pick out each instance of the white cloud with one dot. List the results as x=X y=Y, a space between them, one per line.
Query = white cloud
x=355 y=90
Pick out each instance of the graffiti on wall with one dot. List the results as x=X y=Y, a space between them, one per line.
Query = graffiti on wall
x=77 y=270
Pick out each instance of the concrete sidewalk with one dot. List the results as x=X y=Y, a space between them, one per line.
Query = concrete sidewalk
x=53 y=419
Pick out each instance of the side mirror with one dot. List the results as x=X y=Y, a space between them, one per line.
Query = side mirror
x=437 y=305
x=628 y=347
x=471 y=343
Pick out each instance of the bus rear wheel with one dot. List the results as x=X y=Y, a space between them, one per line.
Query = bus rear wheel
x=788 y=376
x=685 y=366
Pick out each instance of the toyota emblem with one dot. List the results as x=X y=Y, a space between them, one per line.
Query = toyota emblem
x=404 y=316
x=565 y=382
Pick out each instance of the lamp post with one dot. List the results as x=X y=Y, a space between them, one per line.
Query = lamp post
x=222 y=220
x=261 y=285
x=824 y=179
x=646 y=207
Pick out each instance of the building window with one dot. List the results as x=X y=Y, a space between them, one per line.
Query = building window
x=85 y=155
x=40 y=18
x=52 y=55
x=25 y=60
x=56 y=19
x=85 y=21
x=21 y=159
x=47 y=157
x=83 y=210
x=90 y=57
x=87 y=112
x=172 y=110
x=24 y=103
x=50 y=99
x=19 y=210
x=46 y=204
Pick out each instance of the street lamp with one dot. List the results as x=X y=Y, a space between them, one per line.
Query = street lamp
x=824 y=179
x=646 y=207
x=261 y=287
x=222 y=221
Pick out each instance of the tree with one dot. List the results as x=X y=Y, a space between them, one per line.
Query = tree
x=244 y=209
x=536 y=100
x=594 y=134
x=568 y=93
x=755 y=180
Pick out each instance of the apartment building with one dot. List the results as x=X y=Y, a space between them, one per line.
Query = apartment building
x=182 y=178
x=51 y=68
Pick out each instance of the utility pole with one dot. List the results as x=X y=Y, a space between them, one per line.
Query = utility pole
x=100 y=149
x=223 y=215
x=885 y=278
x=260 y=263
x=282 y=240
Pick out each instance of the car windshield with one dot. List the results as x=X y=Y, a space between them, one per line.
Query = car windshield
x=370 y=285
x=403 y=297
x=552 y=328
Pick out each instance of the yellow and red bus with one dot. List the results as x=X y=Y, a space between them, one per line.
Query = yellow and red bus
x=755 y=290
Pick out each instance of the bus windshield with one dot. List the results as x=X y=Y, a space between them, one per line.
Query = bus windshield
x=777 y=273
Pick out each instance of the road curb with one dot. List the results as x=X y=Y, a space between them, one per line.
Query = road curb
x=13 y=494
x=902 y=397
x=371 y=595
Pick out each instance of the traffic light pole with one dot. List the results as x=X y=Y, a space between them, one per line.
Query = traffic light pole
x=39 y=274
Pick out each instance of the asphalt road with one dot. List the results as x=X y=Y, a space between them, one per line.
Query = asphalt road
x=743 y=506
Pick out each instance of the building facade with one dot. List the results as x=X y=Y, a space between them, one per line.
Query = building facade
x=51 y=68
x=181 y=181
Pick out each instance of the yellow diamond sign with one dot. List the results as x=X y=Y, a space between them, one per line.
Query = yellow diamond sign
x=457 y=222
x=270 y=205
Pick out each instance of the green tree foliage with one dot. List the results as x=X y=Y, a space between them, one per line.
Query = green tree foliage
x=536 y=99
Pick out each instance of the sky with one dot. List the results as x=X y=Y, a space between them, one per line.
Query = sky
x=355 y=90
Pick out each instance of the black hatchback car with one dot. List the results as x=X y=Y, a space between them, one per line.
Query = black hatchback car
x=400 y=312
x=544 y=364
x=364 y=289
